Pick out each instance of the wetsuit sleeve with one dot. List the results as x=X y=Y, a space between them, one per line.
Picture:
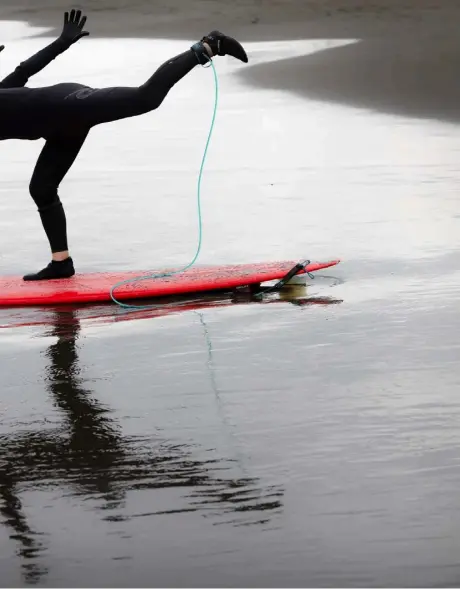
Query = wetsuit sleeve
x=34 y=64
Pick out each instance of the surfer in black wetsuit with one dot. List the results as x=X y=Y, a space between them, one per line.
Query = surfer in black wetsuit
x=63 y=115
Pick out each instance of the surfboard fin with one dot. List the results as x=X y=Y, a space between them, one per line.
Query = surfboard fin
x=285 y=280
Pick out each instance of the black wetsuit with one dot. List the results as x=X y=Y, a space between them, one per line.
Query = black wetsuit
x=63 y=114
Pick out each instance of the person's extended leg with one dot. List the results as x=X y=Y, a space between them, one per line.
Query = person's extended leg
x=54 y=162
x=93 y=106
x=154 y=91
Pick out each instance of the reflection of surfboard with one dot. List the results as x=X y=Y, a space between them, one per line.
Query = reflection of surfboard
x=64 y=316
x=95 y=287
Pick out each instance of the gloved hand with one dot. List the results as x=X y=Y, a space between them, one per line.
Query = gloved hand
x=73 y=27
x=2 y=47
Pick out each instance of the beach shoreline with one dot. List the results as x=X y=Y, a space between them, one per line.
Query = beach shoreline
x=404 y=61
x=249 y=20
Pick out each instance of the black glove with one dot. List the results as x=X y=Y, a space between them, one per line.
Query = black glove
x=2 y=47
x=73 y=27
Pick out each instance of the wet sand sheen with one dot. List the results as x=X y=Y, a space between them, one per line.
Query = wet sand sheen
x=160 y=427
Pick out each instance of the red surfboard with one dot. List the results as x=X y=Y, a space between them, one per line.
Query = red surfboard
x=96 y=287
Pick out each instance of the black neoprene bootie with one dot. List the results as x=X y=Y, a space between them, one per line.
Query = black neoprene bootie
x=53 y=271
x=220 y=45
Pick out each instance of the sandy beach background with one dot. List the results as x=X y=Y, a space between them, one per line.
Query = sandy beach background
x=253 y=20
x=406 y=59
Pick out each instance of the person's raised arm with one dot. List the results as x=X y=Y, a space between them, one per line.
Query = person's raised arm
x=71 y=33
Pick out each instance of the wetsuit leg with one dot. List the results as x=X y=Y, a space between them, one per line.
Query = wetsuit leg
x=93 y=106
x=54 y=162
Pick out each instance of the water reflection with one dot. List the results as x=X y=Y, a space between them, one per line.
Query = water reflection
x=89 y=452
x=108 y=313
x=29 y=544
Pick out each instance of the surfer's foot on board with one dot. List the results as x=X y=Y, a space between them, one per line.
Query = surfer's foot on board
x=54 y=270
x=216 y=43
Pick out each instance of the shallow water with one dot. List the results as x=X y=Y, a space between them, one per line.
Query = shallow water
x=214 y=442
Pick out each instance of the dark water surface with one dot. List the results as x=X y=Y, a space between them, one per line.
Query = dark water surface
x=310 y=442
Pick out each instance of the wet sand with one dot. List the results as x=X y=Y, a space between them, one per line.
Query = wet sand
x=414 y=76
x=307 y=441
x=250 y=20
